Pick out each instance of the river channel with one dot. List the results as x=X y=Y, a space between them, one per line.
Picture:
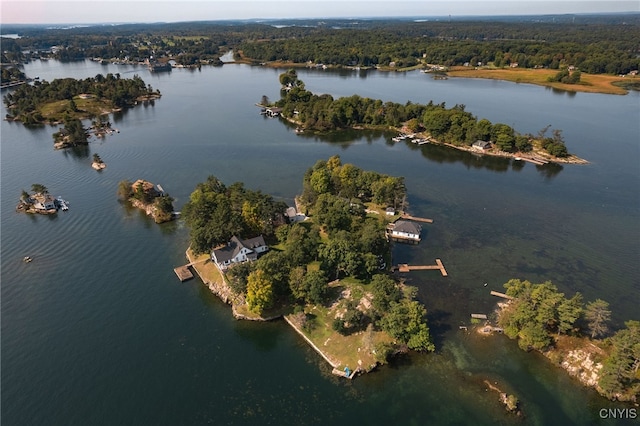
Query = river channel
x=97 y=330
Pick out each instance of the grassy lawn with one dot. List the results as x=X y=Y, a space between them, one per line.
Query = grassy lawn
x=54 y=111
x=205 y=267
x=595 y=83
x=353 y=350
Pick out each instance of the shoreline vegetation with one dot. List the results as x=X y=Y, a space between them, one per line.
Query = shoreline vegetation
x=328 y=276
x=39 y=201
x=431 y=123
x=590 y=83
x=143 y=195
x=572 y=335
x=69 y=100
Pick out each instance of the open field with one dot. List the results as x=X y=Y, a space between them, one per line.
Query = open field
x=593 y=83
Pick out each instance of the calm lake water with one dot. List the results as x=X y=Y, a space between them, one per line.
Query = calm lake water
x=97 y=330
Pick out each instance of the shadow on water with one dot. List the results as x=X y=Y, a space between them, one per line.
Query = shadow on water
x=263 y=335
x=438 y=321
x=77 y=152
x=550 y=170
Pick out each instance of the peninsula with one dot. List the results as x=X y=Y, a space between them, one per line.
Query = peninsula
x=430 y=123
x=326 y=269
x=574 y=336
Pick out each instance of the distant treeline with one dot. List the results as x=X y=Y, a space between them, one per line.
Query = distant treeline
x=451 y=125
x=595 y=46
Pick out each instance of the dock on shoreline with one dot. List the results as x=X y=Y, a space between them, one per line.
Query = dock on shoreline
x=403 y=267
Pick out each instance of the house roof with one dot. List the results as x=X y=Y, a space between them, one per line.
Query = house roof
x=407 y=227
x=146 y=185
x=390 y=210
x=291 y=212
x=482 y=144
x=232 y=249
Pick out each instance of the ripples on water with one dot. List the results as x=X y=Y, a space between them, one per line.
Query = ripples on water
x=97 y=330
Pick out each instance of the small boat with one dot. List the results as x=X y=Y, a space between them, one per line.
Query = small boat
x=27 y=259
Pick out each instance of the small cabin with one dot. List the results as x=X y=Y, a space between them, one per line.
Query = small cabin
x=390 y=211
x=481 y=145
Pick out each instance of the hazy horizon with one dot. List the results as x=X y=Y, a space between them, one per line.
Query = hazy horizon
x=70 y=12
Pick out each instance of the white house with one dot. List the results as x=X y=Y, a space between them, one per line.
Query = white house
x=44 y=202
x=405 y=230
x=390 y=211
x=238 y=250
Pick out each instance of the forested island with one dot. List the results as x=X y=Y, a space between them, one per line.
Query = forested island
x=575 y=336
x=433 y=123
x=143 y=194
x=68 y=100
x=327 y=275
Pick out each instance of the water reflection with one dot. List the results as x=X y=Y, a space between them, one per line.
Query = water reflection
x=77 y=152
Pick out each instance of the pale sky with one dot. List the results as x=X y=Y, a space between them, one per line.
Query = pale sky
x=117 y=11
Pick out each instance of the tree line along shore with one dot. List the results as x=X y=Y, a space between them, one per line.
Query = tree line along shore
x=430 y=123
x=593 y=45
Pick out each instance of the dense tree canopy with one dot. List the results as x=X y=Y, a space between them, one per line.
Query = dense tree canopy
x=451 y=125
x=216 y=212
x=594 y=44
x=24 y=102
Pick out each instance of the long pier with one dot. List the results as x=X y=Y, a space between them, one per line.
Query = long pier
x=403 y=267
x=417 y=219
x=498 y=294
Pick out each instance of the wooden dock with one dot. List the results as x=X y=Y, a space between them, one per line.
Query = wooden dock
x=184 y=273
x=498 y=294
x=417 y=219
x=344 y=374
x=403 y=267
x=479 y=316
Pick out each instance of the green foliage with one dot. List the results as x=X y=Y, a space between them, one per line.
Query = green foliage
x=260 y=294
x=620 y=376
x=237 y=277
x=26 y=99
x=215 y=213
x=536 y=311
x=406 y=321
x=164 y=204
x=385 y=292
x=346 y=182
x=302 y=243
x=453 y=125
x=124 y=190
x=72 y=133
x=38 y=188
x=567 y=77
x=598 y=315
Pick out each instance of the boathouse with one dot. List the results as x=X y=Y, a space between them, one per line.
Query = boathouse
x=481 y=145
x=404 y=230
x=273 y=112
x=238 y=250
